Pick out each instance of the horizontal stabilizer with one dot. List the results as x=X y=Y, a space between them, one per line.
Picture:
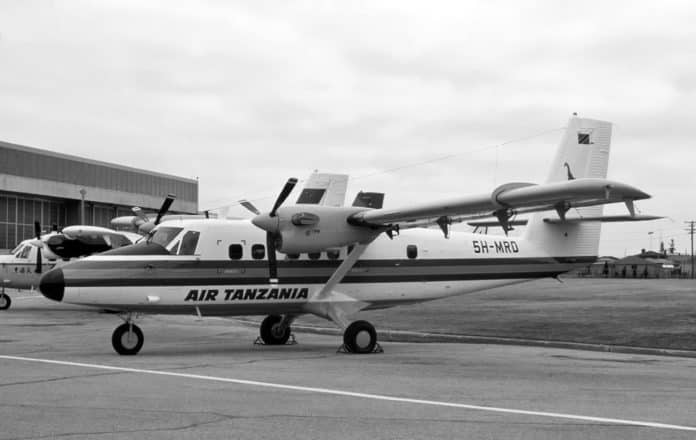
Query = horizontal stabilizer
x=605 y=219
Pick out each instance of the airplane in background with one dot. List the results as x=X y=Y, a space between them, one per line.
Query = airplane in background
x=23 y=266
x=335 y=261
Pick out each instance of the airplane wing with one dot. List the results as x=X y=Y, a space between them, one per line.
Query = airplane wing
x=81 y=240
x=504 y=202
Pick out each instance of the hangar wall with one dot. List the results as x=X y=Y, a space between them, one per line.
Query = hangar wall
x=37 y=184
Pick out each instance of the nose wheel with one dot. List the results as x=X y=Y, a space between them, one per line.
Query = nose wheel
x=275 y=331
x=127 y=339
x=5 y=301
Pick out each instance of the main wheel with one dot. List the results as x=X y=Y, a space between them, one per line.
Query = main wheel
x=127 y=339
x=5 y=301
x=272 y=332
x=360 y=337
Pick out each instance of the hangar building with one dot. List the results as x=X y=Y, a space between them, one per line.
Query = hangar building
x=53 y=188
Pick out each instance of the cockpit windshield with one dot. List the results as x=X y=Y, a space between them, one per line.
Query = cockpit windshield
x=164 y=235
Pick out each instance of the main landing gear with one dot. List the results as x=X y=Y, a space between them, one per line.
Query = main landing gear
x=127 y=339
x=5 y=301
x=360 y=337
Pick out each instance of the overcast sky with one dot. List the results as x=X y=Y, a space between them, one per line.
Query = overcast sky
x=244 y=95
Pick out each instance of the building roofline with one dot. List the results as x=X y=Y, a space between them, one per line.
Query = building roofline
x=92 y=161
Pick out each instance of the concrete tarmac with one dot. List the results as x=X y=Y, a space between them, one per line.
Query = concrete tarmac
x=205 y=379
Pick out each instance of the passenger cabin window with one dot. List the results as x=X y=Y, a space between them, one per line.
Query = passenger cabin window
x=258 y=252
x=412 y=251
x=163 y=235
x=189 y=243
x=293 y=256
x=236 y=251
x=314 y=255
x=333 y=254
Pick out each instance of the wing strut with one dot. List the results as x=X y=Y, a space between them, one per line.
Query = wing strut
x=333 y=305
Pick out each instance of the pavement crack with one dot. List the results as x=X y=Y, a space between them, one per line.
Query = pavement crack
x=58 y=379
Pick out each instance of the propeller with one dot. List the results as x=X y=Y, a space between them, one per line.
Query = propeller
x=270 y=224
x=287 y=189
x=250 y=206
x=140 y=216
x=37 y=232
x=143 y=223
x=165 y=207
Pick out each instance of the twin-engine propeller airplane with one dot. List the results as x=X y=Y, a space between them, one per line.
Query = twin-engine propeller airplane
x=334 y=261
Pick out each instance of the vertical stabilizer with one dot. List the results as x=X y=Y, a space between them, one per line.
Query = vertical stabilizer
x=583 y=153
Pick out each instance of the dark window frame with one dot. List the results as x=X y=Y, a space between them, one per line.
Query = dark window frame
x=235 y=251
x=258 y=251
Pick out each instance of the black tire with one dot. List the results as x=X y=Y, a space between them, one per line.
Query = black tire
x=5 y=301
x=126 y=342
x=271 y=333
x=360 y=337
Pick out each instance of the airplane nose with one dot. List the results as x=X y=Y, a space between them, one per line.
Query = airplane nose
x=52 y=285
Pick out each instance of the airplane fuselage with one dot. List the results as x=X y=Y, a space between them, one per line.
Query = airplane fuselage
x=228 y=273
x=18 y=269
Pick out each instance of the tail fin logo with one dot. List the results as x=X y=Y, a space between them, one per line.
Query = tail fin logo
x=570 y=173
x=584 y=139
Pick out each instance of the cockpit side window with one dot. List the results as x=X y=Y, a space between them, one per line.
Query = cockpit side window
x=164 y=235
x=25 y=252
x=189 y=243
x=175 y=249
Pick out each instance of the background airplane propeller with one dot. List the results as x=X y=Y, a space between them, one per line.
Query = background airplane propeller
x=37 y=232
x=143 y=222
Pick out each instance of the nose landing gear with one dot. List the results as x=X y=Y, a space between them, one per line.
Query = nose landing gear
x=127 y=339
x=275 y=330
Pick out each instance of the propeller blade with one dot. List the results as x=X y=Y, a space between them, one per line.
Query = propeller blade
x=272 y=262
x=165 y=207
x=37 y=231
x=140 y=215
x=250 y=206
x=287 y=189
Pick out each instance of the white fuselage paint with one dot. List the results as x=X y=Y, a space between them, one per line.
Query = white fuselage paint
x=487 y=261
x=18 y=270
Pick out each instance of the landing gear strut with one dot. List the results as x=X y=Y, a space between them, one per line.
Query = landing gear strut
x=127 y=339
x=275 y=330
x=5 y=301
x=360 y=337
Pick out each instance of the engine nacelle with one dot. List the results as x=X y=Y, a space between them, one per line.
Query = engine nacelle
x=330 y=229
